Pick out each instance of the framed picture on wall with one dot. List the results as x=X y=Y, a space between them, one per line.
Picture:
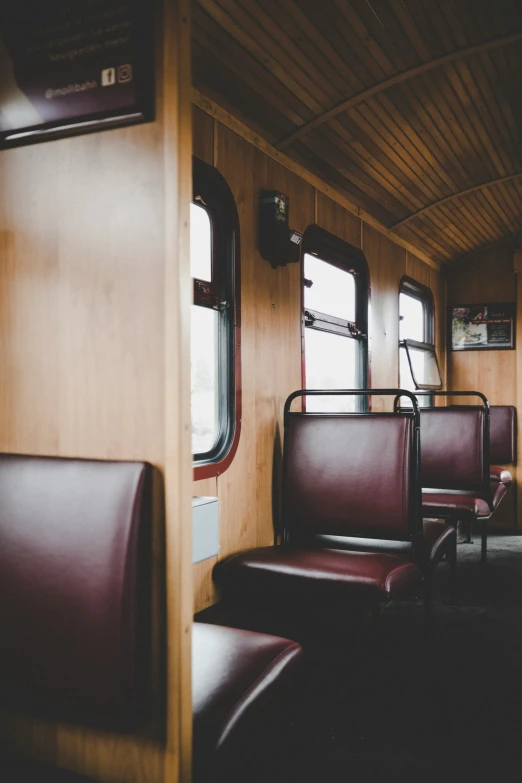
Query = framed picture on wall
x=482 y=327
x=71 y=67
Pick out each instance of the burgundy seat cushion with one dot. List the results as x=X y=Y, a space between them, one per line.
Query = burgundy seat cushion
x=324 y=573
x=436 y=541
x=452 y=448
x=502 y=425
x=74 y=599
x=237 y=676
x=462 y=506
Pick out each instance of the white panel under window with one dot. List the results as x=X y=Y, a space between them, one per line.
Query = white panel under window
x=333 y=289
x=204 y=377
x=332 y=362
x=200 y=244
x=205 y=528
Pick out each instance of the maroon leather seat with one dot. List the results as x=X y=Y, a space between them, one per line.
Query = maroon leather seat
x=502 y=441
x=325 y=573
x=457 y=476
x=74 y=590
x=343 y=475
x=239 y=684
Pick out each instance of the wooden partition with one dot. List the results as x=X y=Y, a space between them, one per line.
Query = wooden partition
x=271 y=330
x=488 y=277
x=94 y=328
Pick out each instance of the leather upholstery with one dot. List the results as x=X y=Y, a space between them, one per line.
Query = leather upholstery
x=502 y=424
x=74 y=587
x=236 y=676
x=435 y=543
x=500 y=474
x=452 y=448
x=348 y=475
x=317 y=573
x=460 y=506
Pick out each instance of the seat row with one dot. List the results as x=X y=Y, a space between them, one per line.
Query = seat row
x=75 y=568
x=371 y=500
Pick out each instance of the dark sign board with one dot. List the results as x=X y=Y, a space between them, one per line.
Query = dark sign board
x=73 y=65
x=482 y=326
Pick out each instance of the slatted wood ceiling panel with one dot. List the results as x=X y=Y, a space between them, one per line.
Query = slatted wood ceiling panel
x=427 y=132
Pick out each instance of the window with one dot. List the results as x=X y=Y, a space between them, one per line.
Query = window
x=418 y=366
x=335 y=320
x=214 y=265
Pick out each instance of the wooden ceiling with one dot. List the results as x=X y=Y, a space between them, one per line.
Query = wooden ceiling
x=411 y=109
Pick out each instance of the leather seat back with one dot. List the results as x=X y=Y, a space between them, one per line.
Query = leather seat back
x=452 y=448
x=502 y=434
x=74 y=597
x=349 y=475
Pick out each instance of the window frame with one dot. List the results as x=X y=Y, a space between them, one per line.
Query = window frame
x=222 y=294
x=423 y=294
x=329 y=248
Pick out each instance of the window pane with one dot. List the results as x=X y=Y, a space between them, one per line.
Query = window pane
x=411 y=324
x=424 y=365
x=204 y=369
x=200 y=244
x=331 y=363
x=333 y=290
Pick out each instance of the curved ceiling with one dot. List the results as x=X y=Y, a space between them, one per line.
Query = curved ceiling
x=410 y=108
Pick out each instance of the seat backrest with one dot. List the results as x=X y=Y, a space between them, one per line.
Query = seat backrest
x=502 y=434
x=453 y=449
x=349 y=475
x=74 y=597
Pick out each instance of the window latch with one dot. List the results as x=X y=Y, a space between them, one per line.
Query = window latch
x=309 y=318
x=354 y=331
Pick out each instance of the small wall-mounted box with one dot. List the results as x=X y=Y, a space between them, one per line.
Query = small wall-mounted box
x=205 y=528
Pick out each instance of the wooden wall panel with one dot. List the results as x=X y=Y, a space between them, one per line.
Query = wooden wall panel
x=337 y=220
x=249 y=490
x=94 y=306
x=417 y=269
x=203 y=135
x=488 y=277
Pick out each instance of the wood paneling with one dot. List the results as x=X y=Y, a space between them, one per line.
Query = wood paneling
x=94 y=303
x=398 y=105
x=488 y=277
x=249 y=491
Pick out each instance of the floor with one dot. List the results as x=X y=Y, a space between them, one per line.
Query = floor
x=396 y=702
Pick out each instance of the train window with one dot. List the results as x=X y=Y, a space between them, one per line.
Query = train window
x=214 y=266
x=335 y=291
x=418 y=367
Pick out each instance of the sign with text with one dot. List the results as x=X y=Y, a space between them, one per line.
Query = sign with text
x=483 y=326
x=73 y=65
